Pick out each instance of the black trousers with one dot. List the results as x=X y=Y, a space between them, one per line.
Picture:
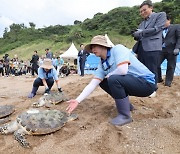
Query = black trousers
x=82 y=65
x=38 y=82
x=171 y=65
x=120 y=86
x=7 y=69
x=2 y=71
x=35 y=69
x=149 y=59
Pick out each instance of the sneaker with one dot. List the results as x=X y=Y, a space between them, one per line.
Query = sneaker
x=152 y=95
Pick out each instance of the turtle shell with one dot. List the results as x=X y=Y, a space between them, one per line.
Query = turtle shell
x=6 y=110
x=38 y=122
x=55 y=97
x=49 y=99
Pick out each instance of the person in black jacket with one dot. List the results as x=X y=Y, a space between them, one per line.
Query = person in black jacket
x=82 y=58
x=170 y=50
x=6 y=64
x=34 y=61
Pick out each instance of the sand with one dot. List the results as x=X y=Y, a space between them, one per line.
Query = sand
x=155 y=127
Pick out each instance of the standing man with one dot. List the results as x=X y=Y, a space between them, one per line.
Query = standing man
x=170 y=50
x=49 y=54
x=6 y=64
x=82 y=58
x=34 y=61
x=149 y=37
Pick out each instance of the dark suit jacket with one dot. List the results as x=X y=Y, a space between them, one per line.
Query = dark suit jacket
x=34 y=61
x=83 y=56
x=172 y=39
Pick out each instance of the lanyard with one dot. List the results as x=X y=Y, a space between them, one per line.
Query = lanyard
x=47 y=73
x=105 y=63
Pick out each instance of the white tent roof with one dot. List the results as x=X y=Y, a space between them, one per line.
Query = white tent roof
x=71 y=53
x=108 y=40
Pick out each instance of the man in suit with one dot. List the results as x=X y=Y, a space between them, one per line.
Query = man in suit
x=149 y=36
x=170 y=50
x=34 y=61
x=49 y=54
x=82 y=58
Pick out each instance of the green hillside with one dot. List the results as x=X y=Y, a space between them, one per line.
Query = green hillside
x=117 y=23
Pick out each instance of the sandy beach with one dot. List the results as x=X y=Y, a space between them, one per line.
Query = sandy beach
x=155 y=128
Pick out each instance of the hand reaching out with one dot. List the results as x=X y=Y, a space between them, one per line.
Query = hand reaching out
x=72 y=105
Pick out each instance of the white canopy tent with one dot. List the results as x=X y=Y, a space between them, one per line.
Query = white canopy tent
x=71 y=55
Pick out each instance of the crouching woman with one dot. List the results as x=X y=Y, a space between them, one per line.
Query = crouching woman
x=120 y=74
x=47 y=74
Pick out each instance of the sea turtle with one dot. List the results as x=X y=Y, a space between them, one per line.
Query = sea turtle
x=5 y=111
x=52 y=98
x=36 y=122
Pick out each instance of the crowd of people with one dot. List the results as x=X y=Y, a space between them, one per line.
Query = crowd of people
x=15 y=66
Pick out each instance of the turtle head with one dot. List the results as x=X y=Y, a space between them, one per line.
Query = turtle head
x=40 y=102
x=3 y=129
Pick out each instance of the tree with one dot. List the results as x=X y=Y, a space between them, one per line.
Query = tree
x=5 y=34
x=16 y=27
x=32 y=25
x=76 y=22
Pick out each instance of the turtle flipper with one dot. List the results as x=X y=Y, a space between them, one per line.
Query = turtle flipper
x=72 y=117
x=19 y=136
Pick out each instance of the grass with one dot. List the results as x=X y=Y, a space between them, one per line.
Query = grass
x=25 y=52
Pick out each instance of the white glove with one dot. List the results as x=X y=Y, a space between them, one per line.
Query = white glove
x=176 y=52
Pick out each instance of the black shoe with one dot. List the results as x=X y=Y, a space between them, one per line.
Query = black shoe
x=168 y=85
x=160 y=80
x=156 y=88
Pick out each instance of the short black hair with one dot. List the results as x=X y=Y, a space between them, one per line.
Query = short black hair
x=81 y=44
x=146 y=2
x=168 y=17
